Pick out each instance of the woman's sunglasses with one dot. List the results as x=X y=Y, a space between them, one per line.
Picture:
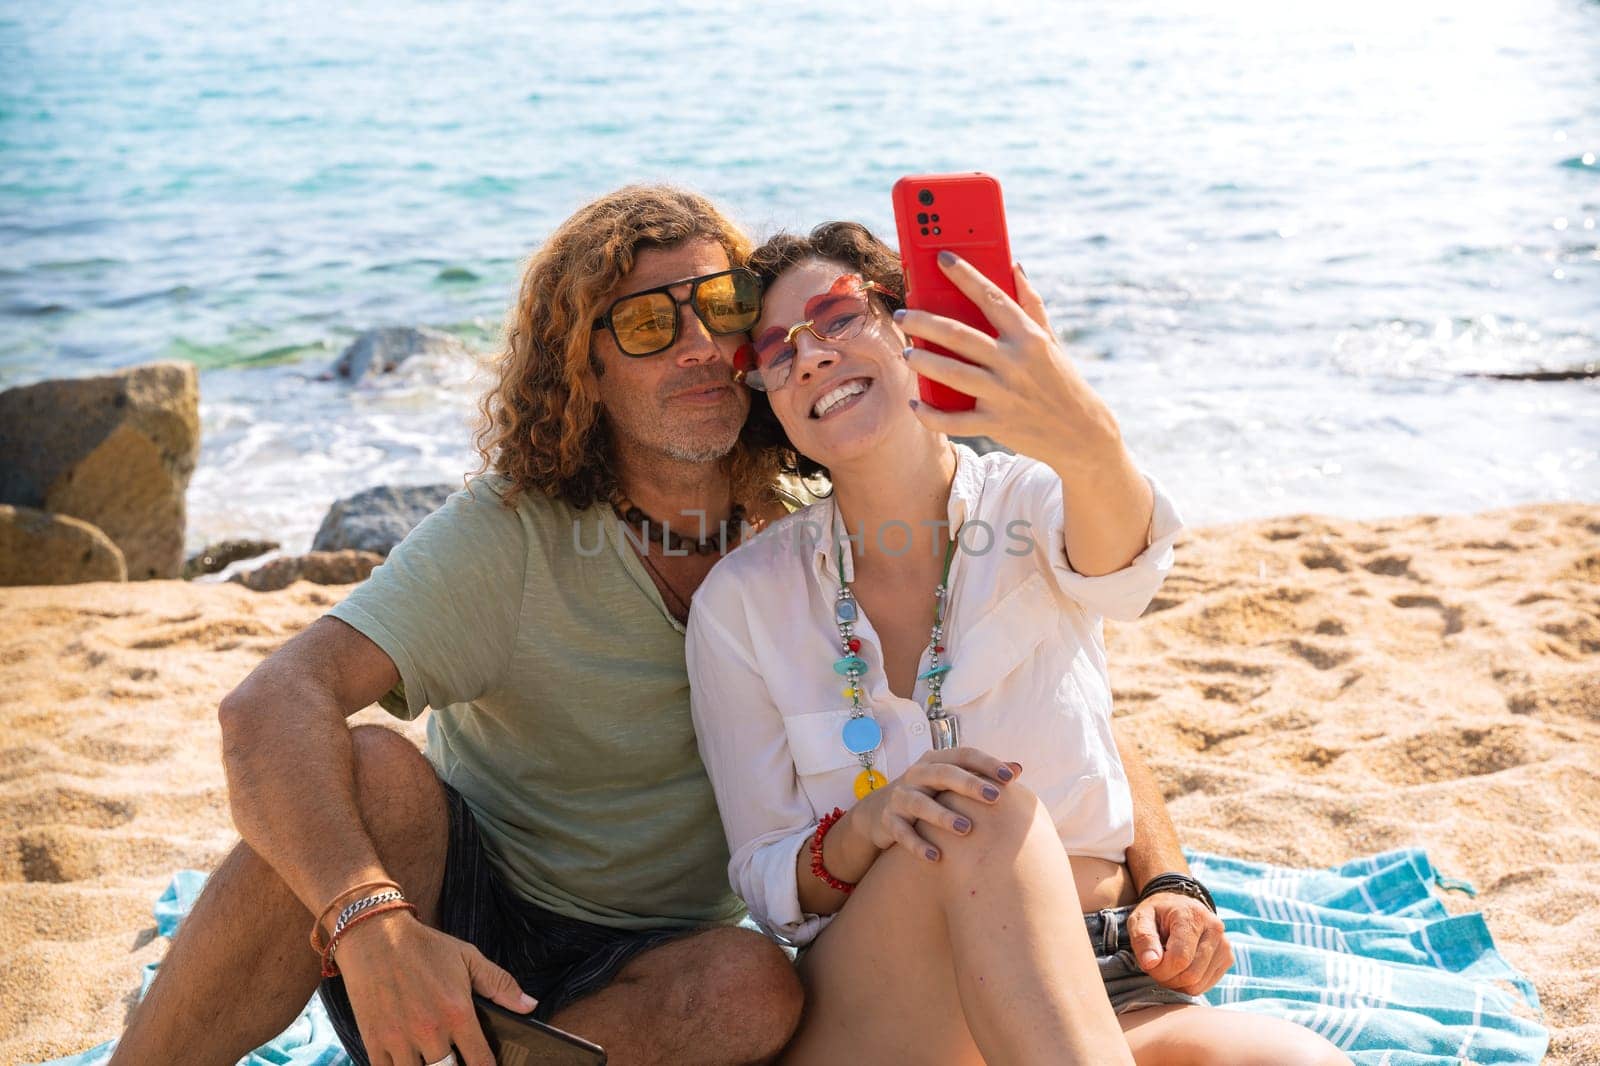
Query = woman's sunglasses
x=840 y=314
x=644 y=323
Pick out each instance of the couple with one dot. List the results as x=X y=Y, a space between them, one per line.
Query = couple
x=1014 y=893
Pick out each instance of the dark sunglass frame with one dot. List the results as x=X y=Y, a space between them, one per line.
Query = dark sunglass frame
x=605 y=321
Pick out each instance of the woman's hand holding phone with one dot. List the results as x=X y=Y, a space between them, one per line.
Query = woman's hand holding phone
x=1030 y=397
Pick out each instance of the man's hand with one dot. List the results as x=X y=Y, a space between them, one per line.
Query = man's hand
x=1179 y=942
x=411 y=990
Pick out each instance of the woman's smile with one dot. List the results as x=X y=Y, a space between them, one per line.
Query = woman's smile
x=836 y=398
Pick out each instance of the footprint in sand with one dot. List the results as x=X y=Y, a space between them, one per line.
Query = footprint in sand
x=1450 y=615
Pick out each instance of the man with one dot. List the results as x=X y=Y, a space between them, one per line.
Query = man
x=560 y=837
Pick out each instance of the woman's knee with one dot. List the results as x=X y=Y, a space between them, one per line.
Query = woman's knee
x=1009 y=822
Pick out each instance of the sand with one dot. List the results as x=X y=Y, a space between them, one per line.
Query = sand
x=1306 y=689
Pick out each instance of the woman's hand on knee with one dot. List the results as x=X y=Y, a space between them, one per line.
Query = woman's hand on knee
x=910 y=802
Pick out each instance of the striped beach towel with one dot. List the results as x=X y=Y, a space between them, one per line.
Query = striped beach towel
x=1364 y=953
x=1367 y=955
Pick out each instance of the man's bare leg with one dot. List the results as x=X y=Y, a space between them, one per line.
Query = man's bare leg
x=725 y=997
x=240 y=969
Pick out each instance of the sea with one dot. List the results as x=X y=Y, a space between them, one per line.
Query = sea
x=1284 y=240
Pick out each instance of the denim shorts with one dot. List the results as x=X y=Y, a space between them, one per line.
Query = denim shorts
x=1128 y=987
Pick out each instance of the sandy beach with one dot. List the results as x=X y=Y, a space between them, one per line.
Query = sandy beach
x=1307 y=689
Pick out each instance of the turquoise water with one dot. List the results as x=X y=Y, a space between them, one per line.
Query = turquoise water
x=1275 y=238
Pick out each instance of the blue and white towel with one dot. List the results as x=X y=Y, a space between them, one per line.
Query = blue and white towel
x=1367 y=956
x=1363 y=953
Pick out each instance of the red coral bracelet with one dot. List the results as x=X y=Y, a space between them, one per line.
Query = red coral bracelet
x=816 y=854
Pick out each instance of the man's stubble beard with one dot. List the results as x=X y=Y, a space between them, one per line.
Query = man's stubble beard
x=700 y=450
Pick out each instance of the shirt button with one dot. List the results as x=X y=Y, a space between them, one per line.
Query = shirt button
x=920 y=728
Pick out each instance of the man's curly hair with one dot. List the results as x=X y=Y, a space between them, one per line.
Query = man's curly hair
x=852 y=246
x=542 y=425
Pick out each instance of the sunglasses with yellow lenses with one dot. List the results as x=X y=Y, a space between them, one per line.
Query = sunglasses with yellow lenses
x=644 y=323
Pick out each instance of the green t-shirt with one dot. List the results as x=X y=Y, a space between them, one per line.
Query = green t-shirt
x=560 y=705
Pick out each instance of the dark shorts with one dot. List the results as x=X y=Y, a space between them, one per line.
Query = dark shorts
x=555 y=959
x=1128 y=987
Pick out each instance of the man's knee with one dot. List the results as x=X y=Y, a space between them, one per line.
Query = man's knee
x=400 y=798
x=390 y=769
x=752 y=983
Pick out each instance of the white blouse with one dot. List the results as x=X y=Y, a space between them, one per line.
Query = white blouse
x=1028 y=674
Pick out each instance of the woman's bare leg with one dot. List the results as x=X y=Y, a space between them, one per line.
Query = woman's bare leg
x=981 y=957
x=1189 y=1035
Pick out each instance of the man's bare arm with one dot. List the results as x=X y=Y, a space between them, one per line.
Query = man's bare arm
x=1155 y=847
x=290 y=763
x=1176 y=940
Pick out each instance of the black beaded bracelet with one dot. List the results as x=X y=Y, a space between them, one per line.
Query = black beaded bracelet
x=1182 y=884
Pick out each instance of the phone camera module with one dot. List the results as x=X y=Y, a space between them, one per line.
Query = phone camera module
x=925 y=197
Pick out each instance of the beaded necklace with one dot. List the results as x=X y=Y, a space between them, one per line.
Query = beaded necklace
x=861 y=734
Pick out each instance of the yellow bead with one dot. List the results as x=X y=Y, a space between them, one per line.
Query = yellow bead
x=868 y=781
x=848 y=692
x=932 y=699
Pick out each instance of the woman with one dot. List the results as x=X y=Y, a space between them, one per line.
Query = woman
x=870 y=675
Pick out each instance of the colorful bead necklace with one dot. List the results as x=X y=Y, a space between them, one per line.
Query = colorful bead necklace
x=861 y=734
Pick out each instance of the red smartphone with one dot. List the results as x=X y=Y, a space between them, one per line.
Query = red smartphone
x=964 y=213
x=519 y=1040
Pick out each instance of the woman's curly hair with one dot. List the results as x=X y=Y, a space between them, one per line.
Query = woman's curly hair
x=852 y=246
x=542 y=425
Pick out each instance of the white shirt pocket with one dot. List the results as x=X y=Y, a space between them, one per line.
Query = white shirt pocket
x=826 y=768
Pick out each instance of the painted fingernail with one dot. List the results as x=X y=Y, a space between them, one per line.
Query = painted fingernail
x=1022 y=269
x=947 y=258
x=900 y=315
x=961 y=825
x=914 y=404
x=991 y=793
x=1004 y=773
x=906 y=352
x=933 y=855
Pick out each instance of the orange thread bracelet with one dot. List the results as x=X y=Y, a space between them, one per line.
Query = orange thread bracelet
x=316 y=927
x=329 y=967
x=825 y=824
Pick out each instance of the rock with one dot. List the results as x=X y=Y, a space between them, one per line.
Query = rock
x=37 y=548
x=377 y=519
x=116 y=451
x=379 y=351
x=321 y=568
x=1582 y=372
x=216 y=557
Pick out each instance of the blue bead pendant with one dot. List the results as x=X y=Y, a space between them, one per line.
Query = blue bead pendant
x=862 y=736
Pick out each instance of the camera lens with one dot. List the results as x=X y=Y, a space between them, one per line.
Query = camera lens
x=922 y=218
x=925 y=197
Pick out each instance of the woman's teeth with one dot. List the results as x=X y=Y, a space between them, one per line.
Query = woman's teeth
x=834 y=397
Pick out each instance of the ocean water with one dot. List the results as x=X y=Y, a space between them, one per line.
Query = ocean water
x=1277 y=237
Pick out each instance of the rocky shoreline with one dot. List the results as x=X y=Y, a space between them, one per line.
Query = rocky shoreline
x=93 y=473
